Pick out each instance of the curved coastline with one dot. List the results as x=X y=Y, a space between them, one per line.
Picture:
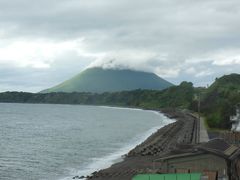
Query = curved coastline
x=139 y=159
x=118 y=156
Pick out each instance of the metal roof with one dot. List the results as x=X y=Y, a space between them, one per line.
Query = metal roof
x=219 y=147
x=216 y=146
x=179 y=155
x=230 y=150
x=193 y=176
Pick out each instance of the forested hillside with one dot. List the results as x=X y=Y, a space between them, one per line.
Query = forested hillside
x=219 y=100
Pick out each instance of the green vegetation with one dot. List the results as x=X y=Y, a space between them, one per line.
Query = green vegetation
x=98 y=80
x=217 y=102
x=176 y=96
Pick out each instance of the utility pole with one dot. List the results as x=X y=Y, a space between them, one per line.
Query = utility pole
x=199 y=117
x=199 y=106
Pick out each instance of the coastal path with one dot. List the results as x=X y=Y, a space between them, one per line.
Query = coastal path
x=203 y=132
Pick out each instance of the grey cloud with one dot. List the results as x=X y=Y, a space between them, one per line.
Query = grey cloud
x=33 y=80
x=180 y=29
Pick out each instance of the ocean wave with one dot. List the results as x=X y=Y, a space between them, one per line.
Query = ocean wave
x=117 y=156
x=123 y=108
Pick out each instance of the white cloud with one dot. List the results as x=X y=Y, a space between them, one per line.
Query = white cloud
x=132 y=59
x=148 y=61
x=219 y=58
x=167 y=72
x=227 y=58
x=191 y=70
x=39 y=53
x=203 y=73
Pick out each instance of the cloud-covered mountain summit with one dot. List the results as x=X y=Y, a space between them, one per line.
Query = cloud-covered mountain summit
x=99 y=80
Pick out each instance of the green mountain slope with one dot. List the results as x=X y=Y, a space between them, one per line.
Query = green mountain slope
x=98 y=80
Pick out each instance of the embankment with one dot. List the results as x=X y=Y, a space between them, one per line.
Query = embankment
x=139 y=160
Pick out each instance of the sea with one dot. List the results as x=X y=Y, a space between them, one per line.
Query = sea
x=58 y=142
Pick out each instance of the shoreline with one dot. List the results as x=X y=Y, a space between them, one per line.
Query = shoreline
x=140 y=158
x=132 y=139
x=117 y=156
x=120 y=154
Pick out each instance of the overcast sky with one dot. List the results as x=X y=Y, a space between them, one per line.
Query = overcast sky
x=45 y=42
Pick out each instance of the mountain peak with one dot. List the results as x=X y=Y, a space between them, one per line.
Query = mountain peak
x=99 y=80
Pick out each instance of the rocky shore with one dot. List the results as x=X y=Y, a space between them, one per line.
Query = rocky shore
x=140 y=159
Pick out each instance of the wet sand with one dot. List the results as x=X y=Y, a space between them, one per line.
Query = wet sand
x=140 y=159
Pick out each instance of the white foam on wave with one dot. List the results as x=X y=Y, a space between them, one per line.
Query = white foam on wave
x=117 y=156
x=123 y=108
x=134 y=109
